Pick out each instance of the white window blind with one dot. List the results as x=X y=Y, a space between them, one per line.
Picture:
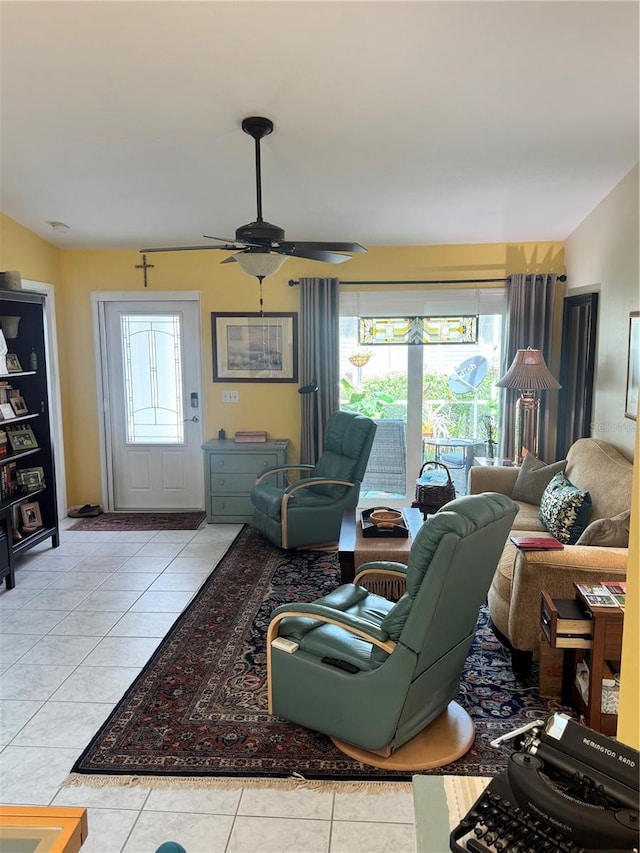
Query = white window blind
x=396 y=302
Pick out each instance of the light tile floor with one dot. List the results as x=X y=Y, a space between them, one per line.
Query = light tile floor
x=79 y=626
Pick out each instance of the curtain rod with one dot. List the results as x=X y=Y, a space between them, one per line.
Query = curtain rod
x=294 y=283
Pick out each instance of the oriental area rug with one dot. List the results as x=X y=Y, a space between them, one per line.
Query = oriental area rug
x=141 y=521
x=196 y=715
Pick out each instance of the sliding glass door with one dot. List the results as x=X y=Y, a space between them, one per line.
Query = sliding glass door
x=429 y=384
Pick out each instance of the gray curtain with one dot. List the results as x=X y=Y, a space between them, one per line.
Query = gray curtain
x=530 y=313
x=319 y=360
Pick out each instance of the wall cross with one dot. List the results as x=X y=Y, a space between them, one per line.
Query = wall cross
x=144 y=266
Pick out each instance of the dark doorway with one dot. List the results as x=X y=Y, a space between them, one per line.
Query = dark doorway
x=577 y=365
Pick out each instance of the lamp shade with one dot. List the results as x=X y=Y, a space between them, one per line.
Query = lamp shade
x=529 y=372
x=260 y=264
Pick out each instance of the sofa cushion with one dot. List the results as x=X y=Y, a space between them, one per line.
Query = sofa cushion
x=608 y=532
x=565 y=509
x=528 y=517
x=598 y=468
x=533 y=478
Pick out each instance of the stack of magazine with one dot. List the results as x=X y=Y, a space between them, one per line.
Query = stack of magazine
x=605 y=594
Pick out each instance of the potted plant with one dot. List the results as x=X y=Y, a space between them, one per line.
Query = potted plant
x=435 y=423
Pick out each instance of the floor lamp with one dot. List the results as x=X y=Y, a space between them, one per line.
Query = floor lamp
x=528 y=374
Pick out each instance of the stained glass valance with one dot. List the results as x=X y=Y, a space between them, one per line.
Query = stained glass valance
x=418 y=330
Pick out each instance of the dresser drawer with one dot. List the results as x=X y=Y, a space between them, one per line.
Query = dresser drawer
x=222 y=484
x=233 y=509
x=237 y=463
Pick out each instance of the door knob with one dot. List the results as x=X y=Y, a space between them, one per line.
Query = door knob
x=195 y=419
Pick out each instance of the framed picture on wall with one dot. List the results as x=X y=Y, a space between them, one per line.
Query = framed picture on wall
x=255 y=347
x=633 y=367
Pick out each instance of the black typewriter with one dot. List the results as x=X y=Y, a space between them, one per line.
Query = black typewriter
x=567 y=789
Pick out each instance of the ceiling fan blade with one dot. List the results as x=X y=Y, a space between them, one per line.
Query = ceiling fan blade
x=239 y=243
x=313 y=254
x=323 y=247
x=264 y=237
x=188 y=249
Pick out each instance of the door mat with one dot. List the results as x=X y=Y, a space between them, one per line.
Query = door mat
x=142 y=521
x=197 y=713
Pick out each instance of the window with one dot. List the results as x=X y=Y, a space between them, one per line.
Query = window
x=439 y=390
x=152 y=362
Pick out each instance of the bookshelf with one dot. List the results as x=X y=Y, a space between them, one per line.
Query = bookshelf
x=28 y=510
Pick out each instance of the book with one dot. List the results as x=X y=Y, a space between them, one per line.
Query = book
x=537 y=543
x=596 y=595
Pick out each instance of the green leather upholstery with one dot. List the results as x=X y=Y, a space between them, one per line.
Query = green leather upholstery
x=309 y=511
x=396 y=692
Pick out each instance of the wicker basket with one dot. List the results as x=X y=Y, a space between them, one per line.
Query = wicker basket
x=429 y=498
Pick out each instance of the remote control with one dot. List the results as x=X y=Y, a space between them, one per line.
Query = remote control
x=341 y=664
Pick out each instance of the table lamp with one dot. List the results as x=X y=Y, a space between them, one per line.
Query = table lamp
x=529 y=374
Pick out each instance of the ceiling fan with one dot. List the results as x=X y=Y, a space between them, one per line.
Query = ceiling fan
x=260 y=247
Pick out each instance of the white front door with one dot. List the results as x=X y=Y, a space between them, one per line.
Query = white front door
x=151 y=385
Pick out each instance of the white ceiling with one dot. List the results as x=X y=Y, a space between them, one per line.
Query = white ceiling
x=396 y=123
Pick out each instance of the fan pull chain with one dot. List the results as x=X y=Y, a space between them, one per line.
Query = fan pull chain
x=260 y=279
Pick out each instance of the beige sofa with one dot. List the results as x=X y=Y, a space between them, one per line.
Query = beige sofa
x=514 y=596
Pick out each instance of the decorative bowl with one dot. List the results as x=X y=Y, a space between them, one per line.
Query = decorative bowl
x=386 y=517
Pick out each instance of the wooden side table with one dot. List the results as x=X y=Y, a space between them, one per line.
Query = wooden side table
x=43 y=829
x=354 y=549
x=597 y=637
x=606 y=646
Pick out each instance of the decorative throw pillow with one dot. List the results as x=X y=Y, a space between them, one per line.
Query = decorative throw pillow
x=608 y=532
x=533 y=478
x=565 y=509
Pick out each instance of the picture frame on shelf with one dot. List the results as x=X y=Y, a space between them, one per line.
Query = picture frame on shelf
x=30 y=515
x=255 y=347
x=633 y=367
x=31 y=478
x=6 y=412
x=13 y=363
x=22 y=438
x=19 y=406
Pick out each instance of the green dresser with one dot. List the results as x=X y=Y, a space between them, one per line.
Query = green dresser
x=231 y=469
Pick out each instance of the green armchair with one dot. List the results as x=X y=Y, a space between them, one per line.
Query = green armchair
x=406 y=658
x=309 y=512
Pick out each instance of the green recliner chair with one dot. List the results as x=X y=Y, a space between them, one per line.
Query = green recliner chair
x=405 y=658
x=309 y=511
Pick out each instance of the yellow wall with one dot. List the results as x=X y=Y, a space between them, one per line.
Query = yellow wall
x=629 y=715
x=274 y=407
x=22 y=250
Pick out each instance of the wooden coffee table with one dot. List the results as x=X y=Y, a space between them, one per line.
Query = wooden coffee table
x=354 y=549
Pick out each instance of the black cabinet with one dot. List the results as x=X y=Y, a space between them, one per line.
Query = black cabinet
x=28 y=509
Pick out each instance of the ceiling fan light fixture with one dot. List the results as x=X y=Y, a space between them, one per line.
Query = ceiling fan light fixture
x=260 y=264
